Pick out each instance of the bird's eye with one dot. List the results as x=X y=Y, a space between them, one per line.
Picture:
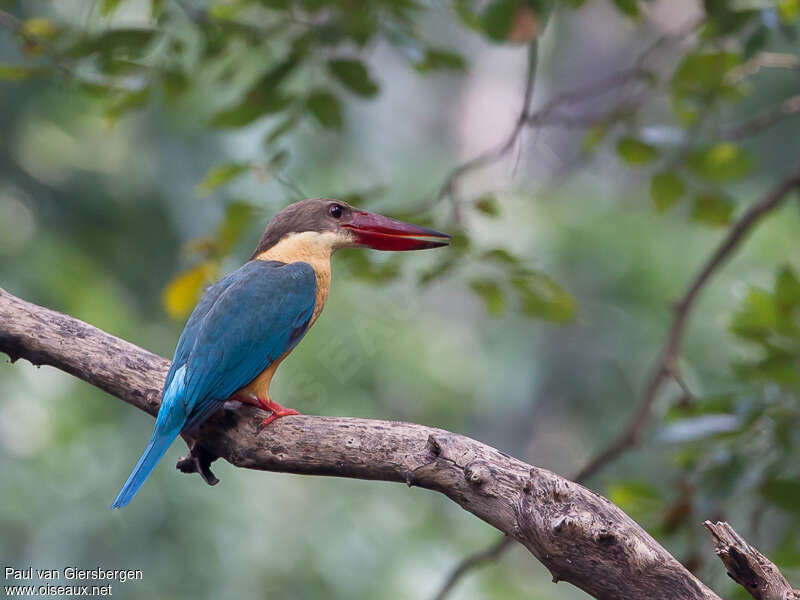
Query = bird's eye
x=335 y=210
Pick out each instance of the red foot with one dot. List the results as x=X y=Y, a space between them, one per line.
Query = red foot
x=276 y=409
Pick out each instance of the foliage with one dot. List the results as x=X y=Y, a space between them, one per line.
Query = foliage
x=225 y=99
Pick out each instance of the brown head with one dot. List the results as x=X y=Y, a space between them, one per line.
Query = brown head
x=339 y=225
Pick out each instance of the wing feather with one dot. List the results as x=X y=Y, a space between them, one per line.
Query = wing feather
x=241 y=326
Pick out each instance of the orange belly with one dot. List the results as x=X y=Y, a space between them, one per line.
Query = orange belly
x=259 y=387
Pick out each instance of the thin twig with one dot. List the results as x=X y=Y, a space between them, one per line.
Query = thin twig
x=11 y=22
x=665 y=367
x=548 y=113
x=763 y=121
x=448 y=188
x=486 y=555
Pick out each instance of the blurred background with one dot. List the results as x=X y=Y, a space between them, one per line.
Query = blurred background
x=145 y=145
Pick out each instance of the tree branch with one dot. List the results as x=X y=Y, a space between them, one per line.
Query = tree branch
x=747 y=566
x=579 y=536
x=666 y=365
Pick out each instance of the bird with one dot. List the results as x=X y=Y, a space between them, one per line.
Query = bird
x=247 y=323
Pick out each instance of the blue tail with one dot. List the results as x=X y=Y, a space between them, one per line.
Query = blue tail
x=152 y=454
x=170 y=422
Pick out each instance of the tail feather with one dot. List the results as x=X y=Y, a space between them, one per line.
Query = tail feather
x=169 y=423
x=152 y=454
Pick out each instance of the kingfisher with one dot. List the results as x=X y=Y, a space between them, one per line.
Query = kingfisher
x=247 y=323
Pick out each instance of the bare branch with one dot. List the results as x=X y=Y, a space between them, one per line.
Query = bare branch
x=579 y=536
x=747 y=566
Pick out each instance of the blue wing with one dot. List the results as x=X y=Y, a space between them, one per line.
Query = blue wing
x=192 y=327
x=259 y=316
x=242 y=324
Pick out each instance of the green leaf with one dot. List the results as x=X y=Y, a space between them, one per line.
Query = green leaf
x=19 y=72
x=440 y=59
x=595 y=136
x=720 y=162
x=488 y=205
x=465 y=11
x=353 y=75
x=225 y=11
x=757 y=317
x=784 y=493
x=249 y=111
x=636 y=152
x=282 y=129
x=729 y=18
x=40 y=27
x=108 y=6
x=184 y=290
x=156 y=8
x=629 y=7
x=666 y=189
x=326 y=108
x=459 y=242
x=174 y=82
x=703 y=72
x=756 y=42
x=713 y=209
x=491 y=293
x=497 y=18
x=131 y=42
x=276 y=4
x=788 y=11
x=274 y=77
x=127 y=102
x=238 y=217
x=787 y=290
x=543 y=298
x=219 y=175
x=501 y=256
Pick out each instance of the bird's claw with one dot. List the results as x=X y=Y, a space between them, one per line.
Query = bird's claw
x=277 y=411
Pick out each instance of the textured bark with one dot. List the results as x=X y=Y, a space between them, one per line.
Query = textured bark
x=747 y=566
x=580 y=536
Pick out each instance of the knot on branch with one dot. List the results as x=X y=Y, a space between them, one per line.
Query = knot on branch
x=198 y=461
x=478 y=474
